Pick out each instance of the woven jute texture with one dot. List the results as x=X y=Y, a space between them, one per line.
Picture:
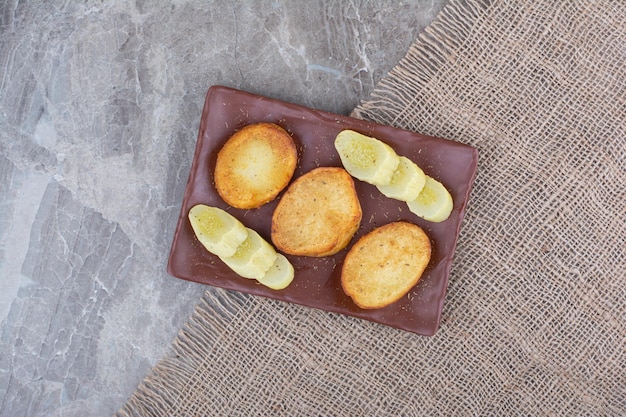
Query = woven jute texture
x=534 y=321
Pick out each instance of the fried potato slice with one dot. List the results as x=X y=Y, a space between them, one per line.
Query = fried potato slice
x=255 y=165
x=383 y=265
x=318 y=214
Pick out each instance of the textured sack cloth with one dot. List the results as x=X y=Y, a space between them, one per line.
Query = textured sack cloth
x=535 y=320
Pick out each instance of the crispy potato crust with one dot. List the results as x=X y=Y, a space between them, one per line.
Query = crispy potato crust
x=255 y=165
x=385 y=264
x=318 y=214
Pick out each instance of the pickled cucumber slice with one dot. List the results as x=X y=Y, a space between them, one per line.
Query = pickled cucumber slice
x=434 y=202
x=279 y=275
x=406 y=183
x=218 y=231
x=366 y=158
x=253 y=257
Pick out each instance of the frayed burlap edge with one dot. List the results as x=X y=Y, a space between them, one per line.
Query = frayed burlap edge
x=432 y=49
x=158 y=393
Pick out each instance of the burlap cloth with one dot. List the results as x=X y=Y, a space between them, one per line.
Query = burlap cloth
x=534 y=318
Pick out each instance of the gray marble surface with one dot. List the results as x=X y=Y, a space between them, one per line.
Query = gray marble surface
x=99 y=110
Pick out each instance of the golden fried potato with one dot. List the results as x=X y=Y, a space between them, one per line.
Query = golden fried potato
x=318 y=214
x=383 y=265
x=255 y=165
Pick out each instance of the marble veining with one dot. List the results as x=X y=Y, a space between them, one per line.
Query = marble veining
x=99 y=110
